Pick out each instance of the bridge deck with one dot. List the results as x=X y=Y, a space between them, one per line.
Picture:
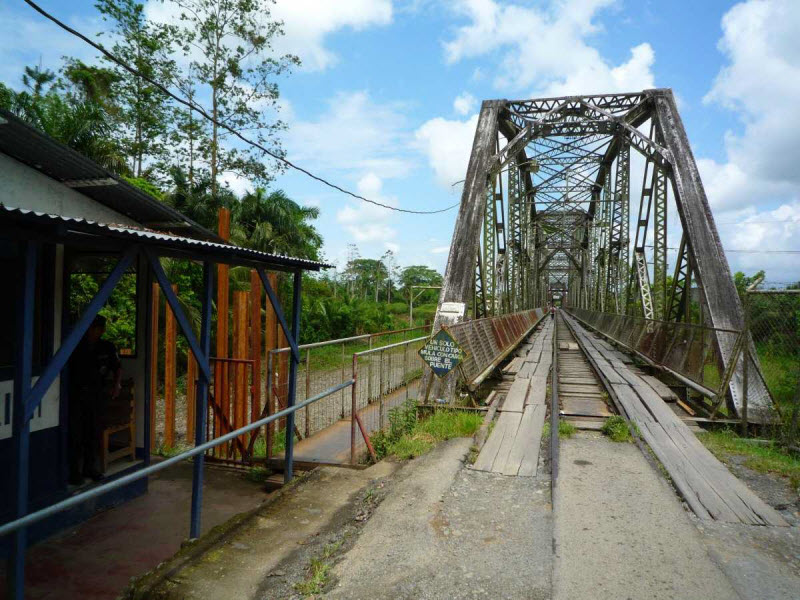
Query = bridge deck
x=707 y=486
x=513 y=446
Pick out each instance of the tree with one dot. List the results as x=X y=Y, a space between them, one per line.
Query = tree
x=230 y=43
x=144 y=109
x=275 y=223
x=420 y=275
x=75 y=110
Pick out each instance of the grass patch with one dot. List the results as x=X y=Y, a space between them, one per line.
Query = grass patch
x=319 y=574
x=762 y=458
x=278 y=444
x=565 y=430
x=616 y=429
x=409 y=437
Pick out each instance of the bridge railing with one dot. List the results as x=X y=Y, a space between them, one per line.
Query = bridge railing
x=323 y=365
x=488 y=341
x=384 y=378
x=686 y=349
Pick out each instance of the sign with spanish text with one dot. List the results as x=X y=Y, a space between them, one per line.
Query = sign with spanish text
x=442 y=353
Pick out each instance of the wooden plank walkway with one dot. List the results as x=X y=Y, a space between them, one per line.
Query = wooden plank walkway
x=513 y=446
x=707 y=486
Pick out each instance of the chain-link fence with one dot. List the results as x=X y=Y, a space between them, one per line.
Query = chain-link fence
x=385 y=377
x=323 y=365
x=773 y=317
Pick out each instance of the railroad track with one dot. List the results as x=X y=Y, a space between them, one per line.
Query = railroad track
x=582 y=399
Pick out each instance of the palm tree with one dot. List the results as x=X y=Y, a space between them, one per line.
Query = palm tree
x=274 y=223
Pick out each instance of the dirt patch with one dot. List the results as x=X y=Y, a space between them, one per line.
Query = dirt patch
x=328 y=547
x=772 y=488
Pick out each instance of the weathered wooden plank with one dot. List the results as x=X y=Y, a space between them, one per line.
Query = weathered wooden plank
x=660 y=388
x=587 y=407
x=488 y=453
x=537 y=391
x=516 y=396
x=530 y=460
x=510 y=421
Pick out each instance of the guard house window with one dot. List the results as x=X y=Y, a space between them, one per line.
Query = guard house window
x=87 y=272
x=11 y=263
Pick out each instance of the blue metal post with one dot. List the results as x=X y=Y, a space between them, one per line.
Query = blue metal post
x=201 y=402
x=21 y=422
x=148 y=348
x=296 y=305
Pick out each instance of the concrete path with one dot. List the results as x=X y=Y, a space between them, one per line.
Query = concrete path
x=621 y=531
x=449 y=532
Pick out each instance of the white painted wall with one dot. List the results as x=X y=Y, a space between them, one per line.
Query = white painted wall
x=24 y=187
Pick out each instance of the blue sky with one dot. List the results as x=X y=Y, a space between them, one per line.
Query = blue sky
x=385 y=101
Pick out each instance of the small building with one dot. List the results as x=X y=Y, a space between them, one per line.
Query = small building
x=62 y=215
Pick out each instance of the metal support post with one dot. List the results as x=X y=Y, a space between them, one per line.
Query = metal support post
x=295 y=359
x=21 y=425
x=201 y=402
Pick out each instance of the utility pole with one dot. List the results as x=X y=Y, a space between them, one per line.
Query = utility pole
x=412 y=297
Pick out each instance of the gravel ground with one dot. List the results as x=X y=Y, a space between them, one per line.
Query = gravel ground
x=622 y=532
x=448 y=532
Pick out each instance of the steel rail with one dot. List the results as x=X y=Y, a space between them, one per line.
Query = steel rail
x=58 y=507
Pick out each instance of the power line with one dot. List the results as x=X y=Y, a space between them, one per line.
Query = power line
x=203 y=113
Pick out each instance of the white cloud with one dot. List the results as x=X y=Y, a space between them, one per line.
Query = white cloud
x=447 y=144
x=366 y=222
x=308 y=22
x=754 y=191
x=762 y=82
x=546 y=48
x=440 y=249
x=392 y=246
x=464 y=103
x=355 y=134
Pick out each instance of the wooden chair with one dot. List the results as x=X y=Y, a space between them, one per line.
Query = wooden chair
x=120 y=417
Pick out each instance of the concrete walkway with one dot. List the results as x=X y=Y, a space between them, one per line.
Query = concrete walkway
x=621 y=531
x=448 y=532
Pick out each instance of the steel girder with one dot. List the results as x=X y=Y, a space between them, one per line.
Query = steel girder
x=567 y=216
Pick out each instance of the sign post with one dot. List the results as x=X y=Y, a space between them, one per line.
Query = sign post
x=442 y=354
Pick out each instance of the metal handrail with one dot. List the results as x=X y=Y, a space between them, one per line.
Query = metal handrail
x=395 y=345
x=53 y=509
x=347 y=339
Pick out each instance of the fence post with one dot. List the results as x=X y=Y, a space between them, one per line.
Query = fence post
x=170 y=341
x=381 y=408
x=353 y=409
x=342 y=381
x=270 y=404
x=308 y=389
x=406 y=382
x=746 y=361
x=255 y=344
x=191 y=395
x=153 y=363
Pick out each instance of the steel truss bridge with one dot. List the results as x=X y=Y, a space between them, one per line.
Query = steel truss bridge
x=567 y=200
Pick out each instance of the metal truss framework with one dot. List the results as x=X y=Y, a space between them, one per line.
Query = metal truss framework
x=547 y=215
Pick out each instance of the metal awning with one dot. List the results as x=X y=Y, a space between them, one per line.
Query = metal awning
x=18 y=223
x=28 y=145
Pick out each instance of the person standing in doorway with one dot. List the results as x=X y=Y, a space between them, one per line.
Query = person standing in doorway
x=95 y=376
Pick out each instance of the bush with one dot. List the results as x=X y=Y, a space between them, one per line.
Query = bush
x=616 y=428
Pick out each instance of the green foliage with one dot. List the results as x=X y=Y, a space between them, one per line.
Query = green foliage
x=762 y=458
x=119 y=310
x=408 y=437
x=318 y=575
x=565 y=430
x=616 y=428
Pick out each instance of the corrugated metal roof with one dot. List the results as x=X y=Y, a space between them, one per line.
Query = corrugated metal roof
x=31 y=147
x=66 y=226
